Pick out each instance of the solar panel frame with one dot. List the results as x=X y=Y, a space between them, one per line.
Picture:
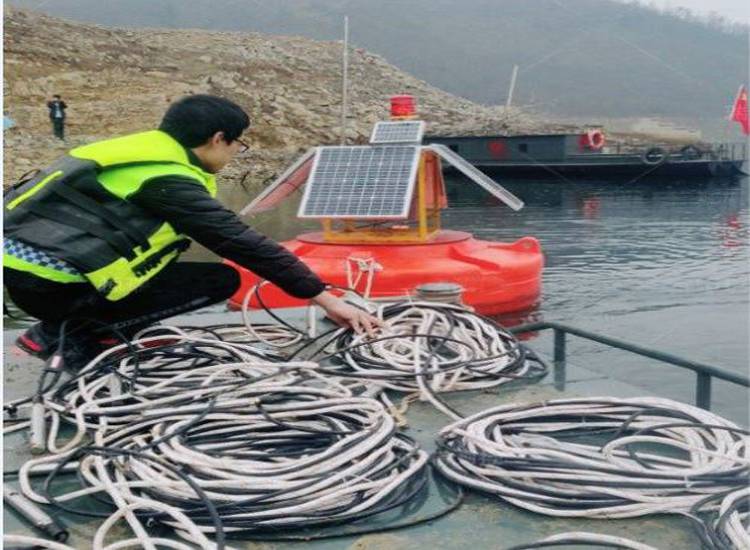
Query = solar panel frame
x=476 y=175
x=397 y=131
x=330 y=193
x=278 y=181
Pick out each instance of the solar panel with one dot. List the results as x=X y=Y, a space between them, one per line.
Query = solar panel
x=477 y=176
x=361 y=182
x=398 y=131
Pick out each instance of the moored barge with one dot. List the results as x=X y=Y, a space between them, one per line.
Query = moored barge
x=588 y=155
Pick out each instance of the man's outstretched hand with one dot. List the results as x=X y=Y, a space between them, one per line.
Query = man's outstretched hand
x=347 y=315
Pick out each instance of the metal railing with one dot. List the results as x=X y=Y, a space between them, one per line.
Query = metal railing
x=705 y=373
x=726 y=151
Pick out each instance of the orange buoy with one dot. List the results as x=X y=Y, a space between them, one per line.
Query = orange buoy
x=406 y=247
x=496 y=277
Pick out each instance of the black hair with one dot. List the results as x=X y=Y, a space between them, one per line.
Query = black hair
x=57 y=95
x=194 y=119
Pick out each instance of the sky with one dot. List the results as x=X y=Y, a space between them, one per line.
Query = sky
x=736 y=10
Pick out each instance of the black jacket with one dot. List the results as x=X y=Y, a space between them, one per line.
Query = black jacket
x=192 y=211
x=51 y=107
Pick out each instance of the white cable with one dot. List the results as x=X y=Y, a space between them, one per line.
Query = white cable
x=581 y=537
x=536 y=456
x=467 y=353
x=364 y=265
x=34 y=542
x=277 y=336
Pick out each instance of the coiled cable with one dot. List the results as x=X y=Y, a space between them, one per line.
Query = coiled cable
x=431 y=348
x=657 y=456
x=205 y=437
x=726 y=526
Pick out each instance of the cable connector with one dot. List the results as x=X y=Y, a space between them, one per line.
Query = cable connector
x=34 y=514
x=38 y=428
x=55 y=362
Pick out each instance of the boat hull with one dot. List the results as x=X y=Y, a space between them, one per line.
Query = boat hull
x=555 y=155
x=635 y=169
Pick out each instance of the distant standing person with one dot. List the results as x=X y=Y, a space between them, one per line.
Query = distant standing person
x=57 y=115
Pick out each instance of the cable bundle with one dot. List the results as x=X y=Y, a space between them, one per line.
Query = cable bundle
x=208 y=436
x=433 y=348
x=105 y=401
x=726 y=527
x=160 y=351
x=257 y=339
x=269 y=334
x=657 y=456
x=281 y=458
x=129 y=378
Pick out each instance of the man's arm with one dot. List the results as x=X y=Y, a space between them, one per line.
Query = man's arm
x=188 y=207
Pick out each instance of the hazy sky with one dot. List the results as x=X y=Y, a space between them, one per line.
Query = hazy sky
x=737 y=10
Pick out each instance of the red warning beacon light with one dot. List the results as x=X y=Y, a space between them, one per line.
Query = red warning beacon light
x=403 y=107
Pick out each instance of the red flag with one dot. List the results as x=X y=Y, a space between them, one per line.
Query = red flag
x=739 y=111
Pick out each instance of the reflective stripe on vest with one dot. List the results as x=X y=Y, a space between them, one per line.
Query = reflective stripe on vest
x=48 y=273
x=121 y=277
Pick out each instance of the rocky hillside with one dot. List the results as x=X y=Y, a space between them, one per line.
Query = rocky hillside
x=120 y=81
x=587 y=59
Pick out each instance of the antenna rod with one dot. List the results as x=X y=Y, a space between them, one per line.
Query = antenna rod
x=345 y=79
x=512 y=86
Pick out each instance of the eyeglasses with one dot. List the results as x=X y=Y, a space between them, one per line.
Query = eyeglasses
x=243 y=146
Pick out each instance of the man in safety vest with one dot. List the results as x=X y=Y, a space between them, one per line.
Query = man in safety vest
x=93 y=239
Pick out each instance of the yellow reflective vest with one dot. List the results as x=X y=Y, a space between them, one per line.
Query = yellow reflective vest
x=73 y=222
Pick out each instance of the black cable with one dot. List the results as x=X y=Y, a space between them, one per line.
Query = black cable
x=111 y=452
x=566 y=542
x=272 y=314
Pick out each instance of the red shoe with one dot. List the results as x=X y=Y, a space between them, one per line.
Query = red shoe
x=39 y=341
